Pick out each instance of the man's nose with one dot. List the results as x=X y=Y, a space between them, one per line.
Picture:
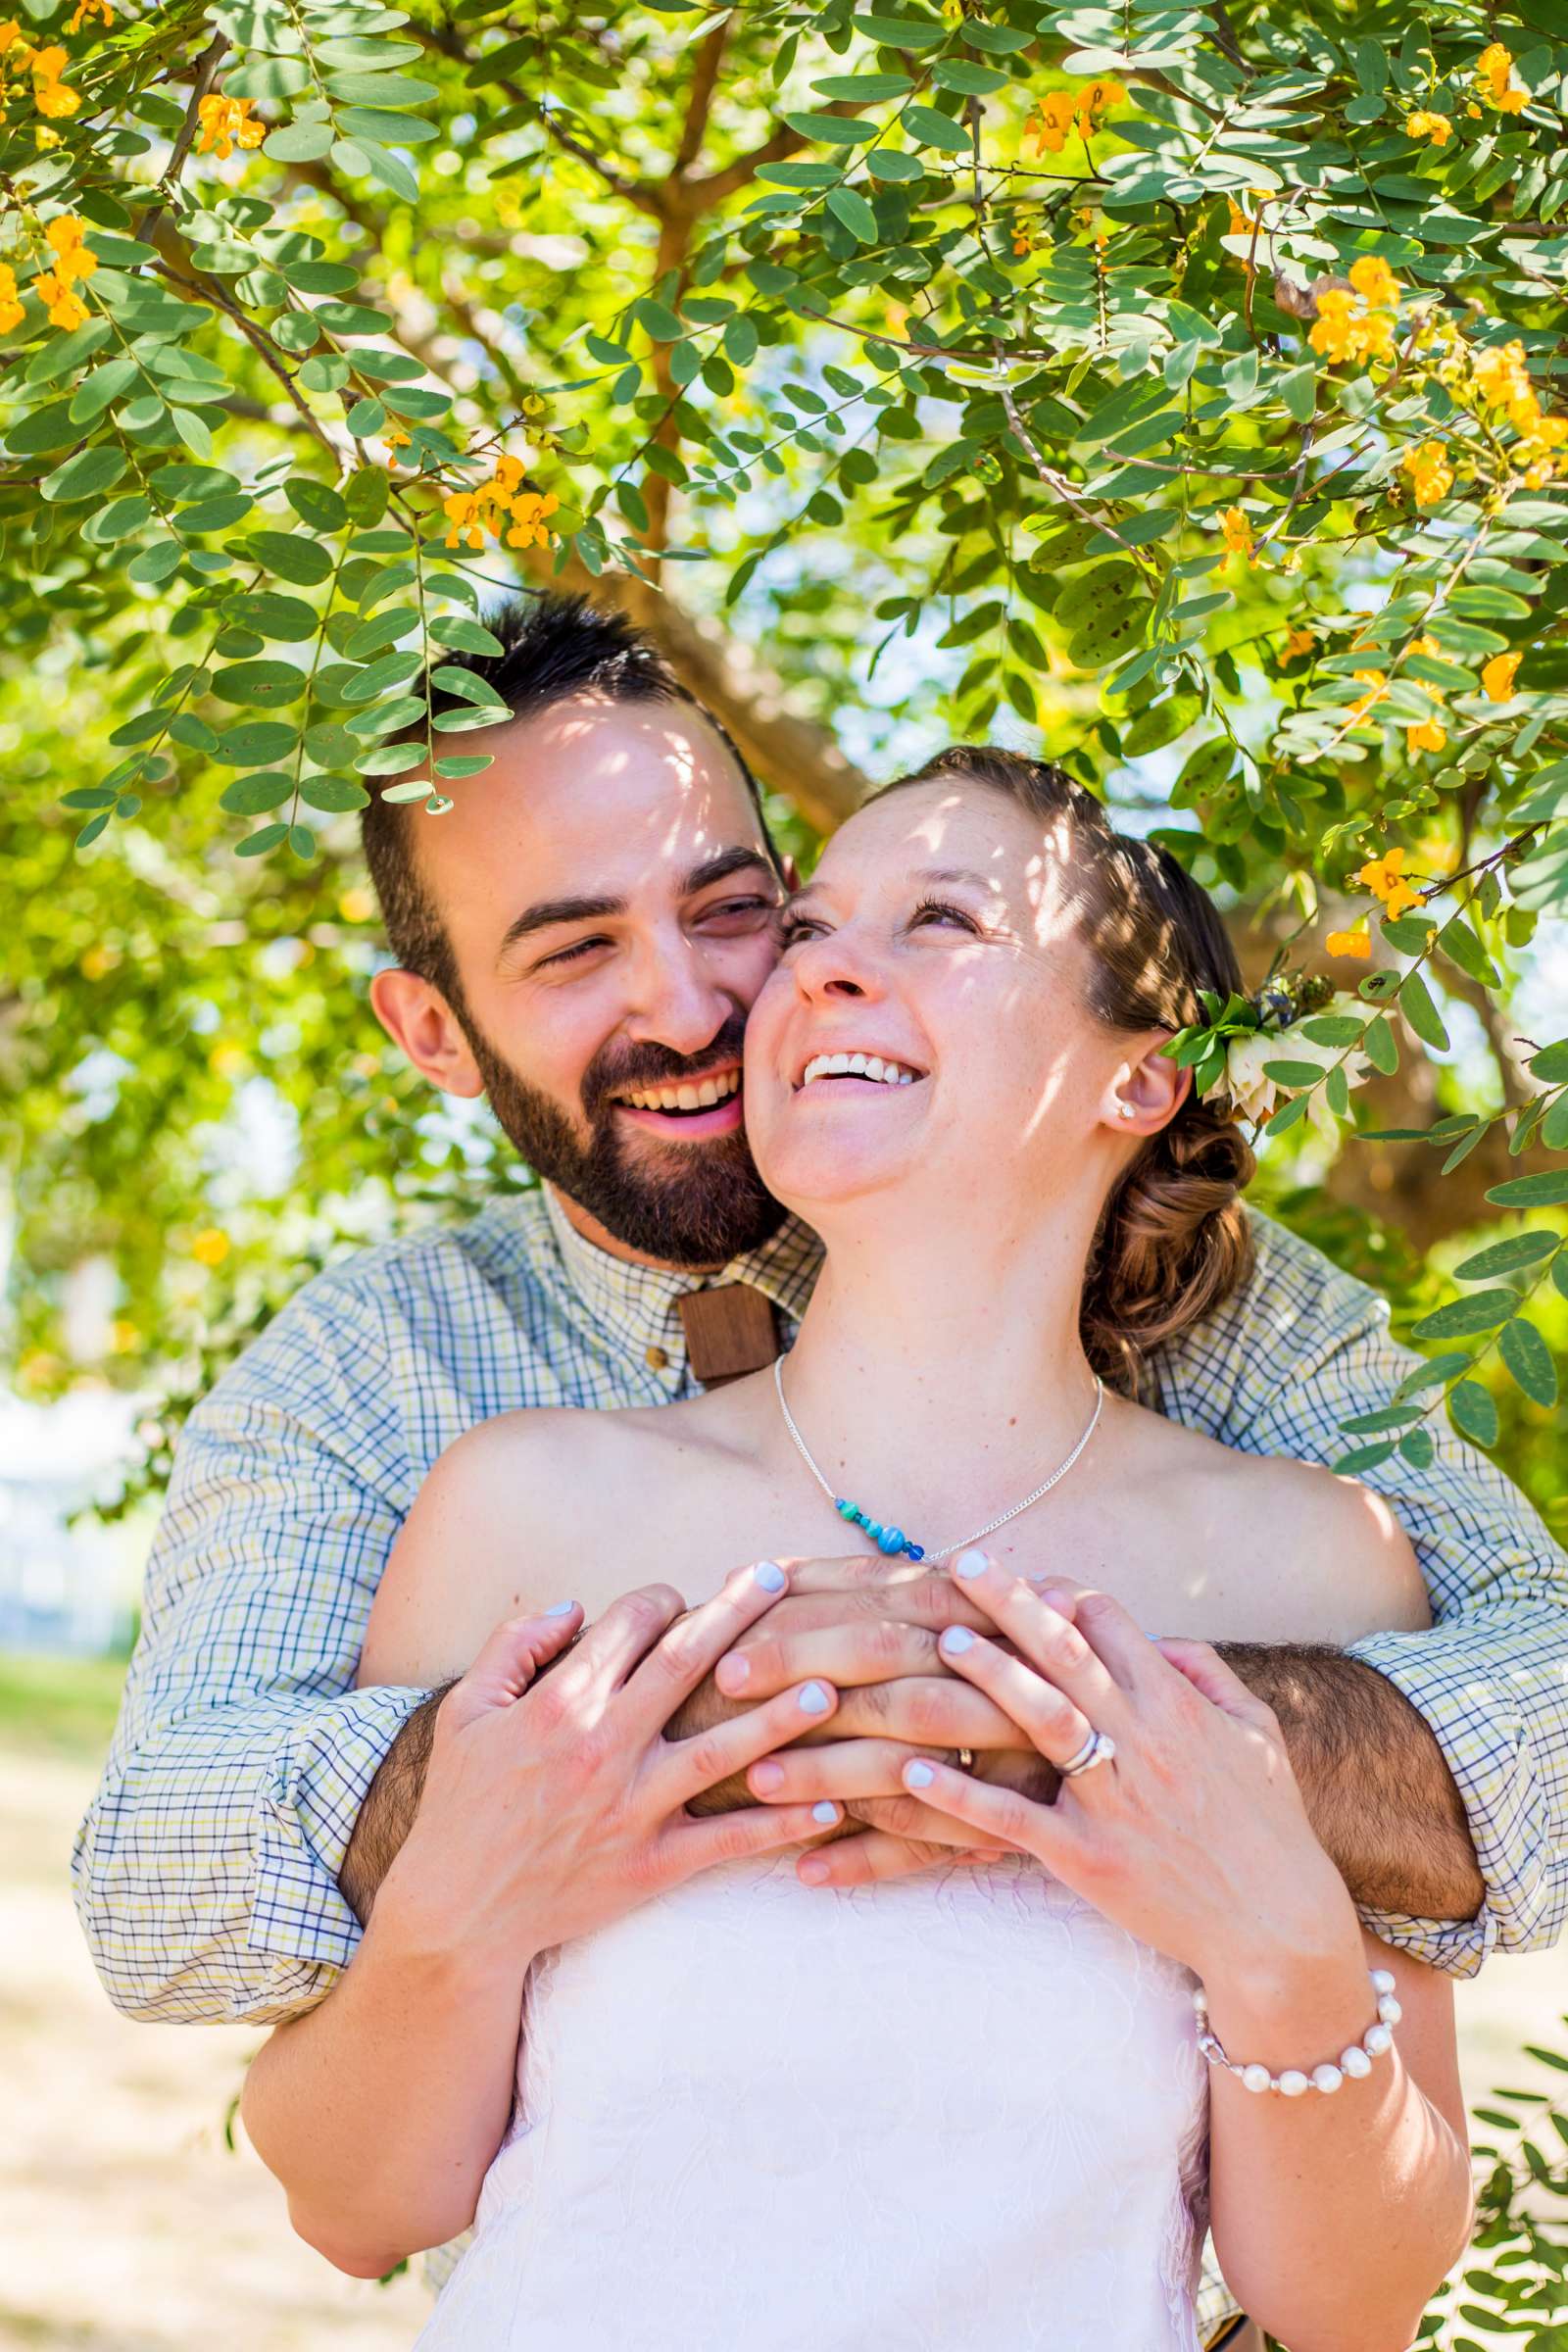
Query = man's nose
x=677 y=1004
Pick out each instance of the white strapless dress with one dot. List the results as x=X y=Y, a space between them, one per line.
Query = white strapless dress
x=954 y=2113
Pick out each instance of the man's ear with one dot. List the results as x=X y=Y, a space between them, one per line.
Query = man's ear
x=791 y=873
x=1147 y=1091
x=419 y=1021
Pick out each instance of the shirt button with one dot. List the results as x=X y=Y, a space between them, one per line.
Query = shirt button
x=656 y=1359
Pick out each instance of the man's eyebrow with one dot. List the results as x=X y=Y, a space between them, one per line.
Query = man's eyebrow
x=546 y=913
x=722 y=865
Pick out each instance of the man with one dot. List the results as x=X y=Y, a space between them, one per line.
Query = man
x=580 y=940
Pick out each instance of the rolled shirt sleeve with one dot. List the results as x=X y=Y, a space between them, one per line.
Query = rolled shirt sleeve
x=1302 y=1349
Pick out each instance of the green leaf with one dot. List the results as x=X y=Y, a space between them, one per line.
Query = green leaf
x=255 y=743
x=1473 y=1413
x=900 y=33
x=256 y=845
x=1483 y=1310
x=1506 y=1257
x=967 y=79
x=1551 y=1064
x=253 y=796
x=286 y=619
x=934 y=130
x=385 y=130
x=1543 y=1191
x=449 y=679
x=299 y=142
x=290 y=554
x=389 y=759
x=88 y=474
x=193 y=430
x=1382 y=1048
x=316 y=503
x=333 y=793
x=1416 y=1003
x=1529 y=1360
x=846 y=205
x=1294 y=1073
x=831 y=130
x=1363 y=1457
x=464 y=636
x=463 y=763
x=267 y=685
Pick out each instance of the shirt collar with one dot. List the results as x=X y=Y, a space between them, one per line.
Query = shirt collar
x=637 y=1306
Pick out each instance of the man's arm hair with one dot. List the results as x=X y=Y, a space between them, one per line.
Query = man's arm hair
x=1377 y=1787
x=390 y=1804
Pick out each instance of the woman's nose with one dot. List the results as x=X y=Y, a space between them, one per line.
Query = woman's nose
x=835 y=965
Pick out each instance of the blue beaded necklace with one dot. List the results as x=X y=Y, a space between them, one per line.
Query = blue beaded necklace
x=892 y=1539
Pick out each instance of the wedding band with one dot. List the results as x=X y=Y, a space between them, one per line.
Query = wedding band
x=964 y=1758
x=1097 y=1749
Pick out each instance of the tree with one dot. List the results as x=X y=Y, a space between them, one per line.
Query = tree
x=1172 y=389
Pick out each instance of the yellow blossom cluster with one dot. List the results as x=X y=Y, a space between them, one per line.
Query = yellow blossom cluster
x=1494 y=81
x=1025 y=223
x=1357 y=322
x=392 y=440
x=1237 y=533
x=1376 y=686
x=1349 y=943
x=56 y=288
x=1385 y=878
x=1431 y=474
x=1061 y=112
x=21 y=62
x=227 y=124
x=1425 y=124
x=85 y=9
x=1426 y=734
x=496 y=504
x=11 y=313
x=1297 y=643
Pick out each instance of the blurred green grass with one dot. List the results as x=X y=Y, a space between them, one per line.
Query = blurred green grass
x=61 y=1707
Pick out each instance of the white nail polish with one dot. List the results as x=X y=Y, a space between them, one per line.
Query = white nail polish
x=971 y=1564
x=562 y=1608
x=771 y=1579
x=813 y=1699
x=918 y=1776
x=824 y=1812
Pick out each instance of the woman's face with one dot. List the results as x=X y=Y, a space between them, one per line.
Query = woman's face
x=936 y=941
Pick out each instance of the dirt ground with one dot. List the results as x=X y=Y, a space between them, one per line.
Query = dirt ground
x=129 y=2227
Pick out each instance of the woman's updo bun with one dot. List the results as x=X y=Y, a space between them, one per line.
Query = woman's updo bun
x=1173 y=1240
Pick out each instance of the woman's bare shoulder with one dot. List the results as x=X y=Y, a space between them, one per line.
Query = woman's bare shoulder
x=505 y=1514
x=1318 y=1557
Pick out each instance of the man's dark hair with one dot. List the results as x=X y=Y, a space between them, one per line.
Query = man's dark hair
x=553 y=647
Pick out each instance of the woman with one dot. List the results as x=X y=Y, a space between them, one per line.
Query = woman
x=968 y=2110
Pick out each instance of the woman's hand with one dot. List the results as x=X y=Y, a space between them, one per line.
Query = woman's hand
x=553 y=1806
x=1193 y=1836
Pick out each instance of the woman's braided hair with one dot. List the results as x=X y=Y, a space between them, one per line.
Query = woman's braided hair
x=1173 y=1240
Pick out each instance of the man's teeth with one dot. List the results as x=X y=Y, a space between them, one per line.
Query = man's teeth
x=859 y=1065
x=702 y=1097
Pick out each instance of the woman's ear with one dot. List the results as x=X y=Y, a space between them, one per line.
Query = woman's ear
x=1147 y=1091
x=419 y=1021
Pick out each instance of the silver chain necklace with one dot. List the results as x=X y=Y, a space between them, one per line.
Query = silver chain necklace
x=892 y=1540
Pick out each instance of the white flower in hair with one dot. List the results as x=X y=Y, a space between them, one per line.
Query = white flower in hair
x=1256 y=1096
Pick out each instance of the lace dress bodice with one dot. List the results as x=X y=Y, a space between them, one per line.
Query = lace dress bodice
x=953 y=2113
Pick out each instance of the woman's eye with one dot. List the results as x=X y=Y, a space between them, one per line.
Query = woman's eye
x=936 y=910
x=796 y=928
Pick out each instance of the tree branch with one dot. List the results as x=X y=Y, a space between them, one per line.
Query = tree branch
x=705 y=80
x=207 y=64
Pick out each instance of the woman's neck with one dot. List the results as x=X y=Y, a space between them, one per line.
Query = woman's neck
x=931 y=1382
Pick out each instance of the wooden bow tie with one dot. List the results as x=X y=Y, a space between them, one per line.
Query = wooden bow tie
x=729 y=1331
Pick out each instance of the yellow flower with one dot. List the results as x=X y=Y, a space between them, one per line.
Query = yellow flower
x=460 y=510
x=63 y=306
x=90 y=8
x=65 y=237
x=227 y=122
x=1494 y=79
x=1436 y=127
x=1237 y=533
x=211 y=1247
x=1349 y=943
x=1384 y=877
x=1374 y=280
x=1297 y=643
x=1053 y=121
x=50 y=94
x=1431 y=474
x=1350 y=324
x=392 y=440
x=1242 y=224
x=1427 y=735
x=11 y=312
x=1497 y=676
x=1376 y=684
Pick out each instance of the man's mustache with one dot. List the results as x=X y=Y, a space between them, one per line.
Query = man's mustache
x=652 y=1064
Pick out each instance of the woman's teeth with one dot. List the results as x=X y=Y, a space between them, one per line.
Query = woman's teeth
x=700 y=1097
x=859 y=1065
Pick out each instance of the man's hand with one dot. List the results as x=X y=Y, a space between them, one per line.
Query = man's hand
x=871 y=1627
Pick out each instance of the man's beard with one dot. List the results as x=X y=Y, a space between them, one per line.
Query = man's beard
x=706 y=1205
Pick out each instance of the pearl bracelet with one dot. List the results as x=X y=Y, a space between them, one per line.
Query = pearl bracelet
x=1355 y=2061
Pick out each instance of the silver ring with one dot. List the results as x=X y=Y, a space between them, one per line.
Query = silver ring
x=1097 y=1749
x=964 y=1758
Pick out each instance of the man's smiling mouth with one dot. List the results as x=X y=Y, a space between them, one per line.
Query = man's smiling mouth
x=691 y=1095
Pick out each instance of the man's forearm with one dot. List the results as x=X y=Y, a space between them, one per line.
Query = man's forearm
x=390 y=1806
x=1377 y=1786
